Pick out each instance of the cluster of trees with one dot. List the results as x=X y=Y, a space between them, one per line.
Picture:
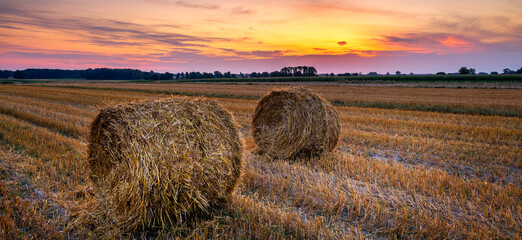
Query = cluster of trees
x=6 y=74
x=32 y=73
x=125 y=74
x=258 y=74
x=199 y=75
x=298 y=71
x=509 y=71
x=465 y=70
x=345 y=74
x=98 y=73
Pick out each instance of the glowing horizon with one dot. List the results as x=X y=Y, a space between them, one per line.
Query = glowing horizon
x=252 y=35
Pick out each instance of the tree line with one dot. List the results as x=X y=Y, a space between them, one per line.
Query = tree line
x=91 y=74
x=465 y=70
x=299 y=71
x=6 y=74
x=135 y=74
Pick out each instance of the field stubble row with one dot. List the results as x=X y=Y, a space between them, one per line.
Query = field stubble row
x=478 y=101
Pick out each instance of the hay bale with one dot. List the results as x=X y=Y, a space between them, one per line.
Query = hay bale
x=295 y=122
x=158 y=162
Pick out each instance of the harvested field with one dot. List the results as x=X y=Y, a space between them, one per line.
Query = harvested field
x=486 y=101
x=394 y=174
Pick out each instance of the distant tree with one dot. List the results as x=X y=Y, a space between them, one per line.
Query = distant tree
x=397 y=73
x=387 y=73
x=463 y=70
x=332 y=75
x=227 y=75
x=19 y=74
x=508 y=71
x=197 y=75
x=166 y=76
x=152 y=76
x=253 y=75
x=372 y=74
x=286 y=71
x=344 y=74
x=6 y=74
x=265 y=74
x=218 y=74
x=207 y=75
x=519 y=71
x=355 y=74
x=440 y=73
x=494 y=73
x=472 y=71
x=482 y=73
x=311 y=71
x=277 y=74
x=298 y=71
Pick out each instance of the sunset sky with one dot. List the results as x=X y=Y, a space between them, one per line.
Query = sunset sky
x=418 y=36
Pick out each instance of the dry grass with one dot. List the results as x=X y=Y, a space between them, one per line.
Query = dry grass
x=497 y=99
x=395 y=174
x=295 y=122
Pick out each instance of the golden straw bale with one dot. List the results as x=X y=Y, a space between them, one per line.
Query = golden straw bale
x=295 y=122
x=158 y=162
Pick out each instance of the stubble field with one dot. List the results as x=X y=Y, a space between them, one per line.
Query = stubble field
x=395 y=173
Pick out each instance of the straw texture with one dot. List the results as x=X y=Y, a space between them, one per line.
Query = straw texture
x=295 y=122
x=158 y=162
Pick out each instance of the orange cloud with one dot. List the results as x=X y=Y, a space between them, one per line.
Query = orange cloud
x=455 y=42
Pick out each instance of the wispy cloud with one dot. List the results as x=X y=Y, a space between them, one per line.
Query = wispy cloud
x=107 y=31
x=9 y=7
x=188 y=4
x=9 y=27
x=242 y=10
x=325 y=6
x=441 y=43
x=256 y=54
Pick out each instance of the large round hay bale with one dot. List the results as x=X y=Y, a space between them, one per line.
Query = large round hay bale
x=158 y=162
x=295 y=122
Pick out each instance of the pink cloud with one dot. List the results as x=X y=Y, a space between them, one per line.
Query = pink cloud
x=455 y=42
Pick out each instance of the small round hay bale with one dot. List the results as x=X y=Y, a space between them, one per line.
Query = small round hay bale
x=158 y=162
x=295 y=122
